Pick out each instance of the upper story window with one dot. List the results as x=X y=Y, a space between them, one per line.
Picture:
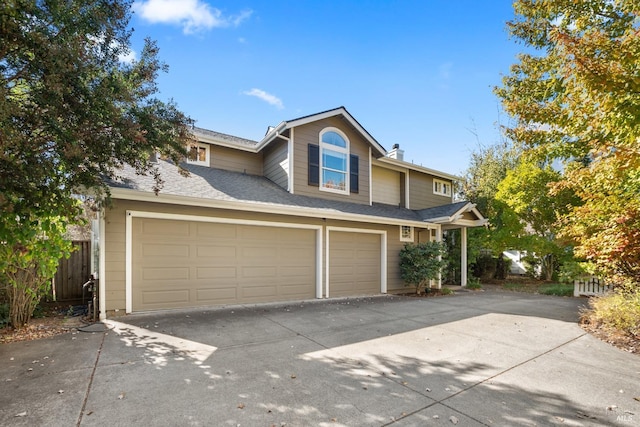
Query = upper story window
x=198 y=154
x=331 y=166
x=334 y=162
x=442 y=187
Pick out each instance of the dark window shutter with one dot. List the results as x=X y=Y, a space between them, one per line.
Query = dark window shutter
x=314 y=165
x=353 y=175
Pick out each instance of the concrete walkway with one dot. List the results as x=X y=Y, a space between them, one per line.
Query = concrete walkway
x=471 y=359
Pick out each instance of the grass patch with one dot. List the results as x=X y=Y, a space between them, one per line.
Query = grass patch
x=558 y=289
x=618 y=310
x=473 y=283
x=520 y=287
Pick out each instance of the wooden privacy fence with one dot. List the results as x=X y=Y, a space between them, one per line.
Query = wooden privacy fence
x=589 y=286
x=73 y=273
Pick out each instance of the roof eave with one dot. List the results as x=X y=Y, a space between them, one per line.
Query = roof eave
x=340 y=111
x=145 y=196
x=418 y=168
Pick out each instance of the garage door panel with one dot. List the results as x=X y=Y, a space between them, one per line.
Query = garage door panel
x=264 y=273
x=165 y=273
x=259 y=291
x=295 y=271
x=165 y=250
x=257 y=234
x=216 y=272
x=187 y=264
x=216 y=295
x=158 y=227
x=216 y=252
x=216 y=231
x=262 y=255
x=354 y=263
x=165 y=297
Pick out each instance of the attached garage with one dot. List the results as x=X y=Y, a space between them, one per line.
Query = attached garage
x=356 y=262
x=188 y=262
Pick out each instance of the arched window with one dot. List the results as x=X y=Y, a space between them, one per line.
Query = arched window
x=334 y=161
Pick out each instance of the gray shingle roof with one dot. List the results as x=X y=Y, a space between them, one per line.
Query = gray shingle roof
x=441 y=211
x=217 y=184
x=223 y=137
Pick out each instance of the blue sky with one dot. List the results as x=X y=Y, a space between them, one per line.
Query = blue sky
x=417 y=73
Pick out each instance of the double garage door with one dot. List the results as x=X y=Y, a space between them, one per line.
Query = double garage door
x=177 y=263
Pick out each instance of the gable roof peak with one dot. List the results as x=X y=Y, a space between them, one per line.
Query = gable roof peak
x=339 y=111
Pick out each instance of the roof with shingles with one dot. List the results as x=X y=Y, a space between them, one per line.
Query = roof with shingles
x=218 y=184
x=441 y=211
x=223 y=137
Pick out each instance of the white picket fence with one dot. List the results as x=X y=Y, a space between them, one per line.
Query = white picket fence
x=589 y=286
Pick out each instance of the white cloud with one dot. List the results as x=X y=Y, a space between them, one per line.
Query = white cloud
x=266 y=97
x=128 y=57
x=192 y=15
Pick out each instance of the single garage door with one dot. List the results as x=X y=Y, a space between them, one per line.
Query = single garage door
x=189 y=264
x=354 y=263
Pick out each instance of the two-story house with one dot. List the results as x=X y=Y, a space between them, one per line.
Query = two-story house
x=316 y=209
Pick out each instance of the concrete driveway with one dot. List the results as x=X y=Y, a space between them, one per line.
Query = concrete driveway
x=476 y=358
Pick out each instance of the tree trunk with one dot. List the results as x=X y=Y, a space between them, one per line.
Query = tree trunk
x=23 y=298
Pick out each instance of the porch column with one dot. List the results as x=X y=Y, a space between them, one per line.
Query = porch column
x=463 y=256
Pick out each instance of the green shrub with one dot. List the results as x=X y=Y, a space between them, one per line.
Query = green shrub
x=558 y=289
x=572 y=270
x=421 y=263
x=473 y=283
x=485 y=266
x=446 y=291
x=619 y=310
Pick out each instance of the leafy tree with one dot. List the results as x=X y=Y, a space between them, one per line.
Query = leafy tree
x=487 y=168
x=525 y=189
x=421 y=263
x=575 y=96
x=71 y=112
x=27 y=267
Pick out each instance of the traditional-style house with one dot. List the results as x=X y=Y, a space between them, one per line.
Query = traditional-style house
x=316 y=209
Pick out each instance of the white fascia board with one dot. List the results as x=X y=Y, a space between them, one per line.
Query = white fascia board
x=270 y=136
x=389 y=166
x=441 y=220
x=321 y=116
x=417 y=168
x=144 y=196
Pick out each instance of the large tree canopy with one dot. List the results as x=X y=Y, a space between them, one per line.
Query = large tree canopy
x=70 y=110
x=576 y=97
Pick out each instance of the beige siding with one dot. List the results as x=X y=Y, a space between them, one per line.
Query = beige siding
x=421 y=192
x=236 y=160
x=114 y=276
x=386 y=186
x=310 y=134
x=276 y=164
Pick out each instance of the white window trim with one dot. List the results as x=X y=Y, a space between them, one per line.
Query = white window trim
x=207 y=150
x=402 y=236
x=341 y=150
x=443 y=184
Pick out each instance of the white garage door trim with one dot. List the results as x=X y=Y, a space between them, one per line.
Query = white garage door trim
x=197 y=218
x=383 y=254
